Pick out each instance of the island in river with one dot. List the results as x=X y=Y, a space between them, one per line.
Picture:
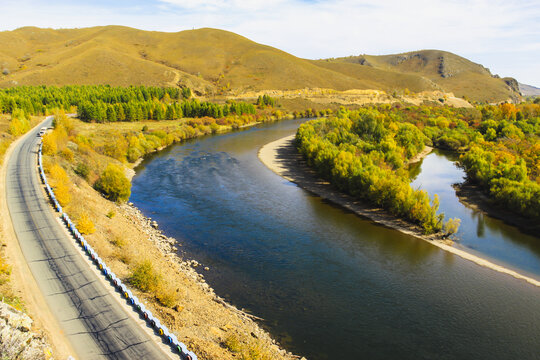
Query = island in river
x=281 y=157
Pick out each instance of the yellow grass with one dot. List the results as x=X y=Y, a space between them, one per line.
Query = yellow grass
x=214 y=62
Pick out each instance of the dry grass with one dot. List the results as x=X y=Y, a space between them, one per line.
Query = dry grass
x=213 y=62
x=462 y=76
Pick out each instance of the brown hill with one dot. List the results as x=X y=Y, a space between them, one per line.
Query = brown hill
x=529 y=90
x=214 y=61
x=452 y=73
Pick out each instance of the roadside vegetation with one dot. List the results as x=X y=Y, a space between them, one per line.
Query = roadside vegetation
x=365 y=154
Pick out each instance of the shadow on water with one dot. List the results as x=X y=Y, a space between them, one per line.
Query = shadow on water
x=329 y=284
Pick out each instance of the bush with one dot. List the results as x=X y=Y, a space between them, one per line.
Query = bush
x=19 y=123
x=60 y=183
x=82 y=170
x=85 y=225
x=114 y=184
x=144 y=277
x=49 y=144
x=451 y=226
x=167 y=295
x=67 y=154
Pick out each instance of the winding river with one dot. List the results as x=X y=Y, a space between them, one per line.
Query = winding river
x=331 y=285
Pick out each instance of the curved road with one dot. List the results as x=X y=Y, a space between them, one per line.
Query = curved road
x=96 y=324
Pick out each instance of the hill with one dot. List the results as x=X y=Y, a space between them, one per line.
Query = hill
x=450 y=72
x=214 y=61
x=529 y=90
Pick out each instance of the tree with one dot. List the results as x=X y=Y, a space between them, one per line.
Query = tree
x=114 y=184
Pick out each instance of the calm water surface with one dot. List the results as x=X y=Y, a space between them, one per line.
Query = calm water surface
x=329 y=284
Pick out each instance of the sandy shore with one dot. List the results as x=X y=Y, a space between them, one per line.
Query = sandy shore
x=281 y=157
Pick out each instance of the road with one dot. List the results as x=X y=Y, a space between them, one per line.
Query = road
x=97 y=326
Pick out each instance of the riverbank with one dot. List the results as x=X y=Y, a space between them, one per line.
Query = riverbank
x=282 y=158
x=472 y=196
x=177 y=293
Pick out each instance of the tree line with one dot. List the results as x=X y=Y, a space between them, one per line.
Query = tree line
x=499 y=144
x=102 y=103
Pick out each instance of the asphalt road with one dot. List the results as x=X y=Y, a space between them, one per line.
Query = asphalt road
x=94 y=322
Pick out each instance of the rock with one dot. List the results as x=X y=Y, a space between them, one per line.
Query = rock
x=15 y=318
x=206 y=268
x=154 y=224
x=130 y=204
x=18 y=342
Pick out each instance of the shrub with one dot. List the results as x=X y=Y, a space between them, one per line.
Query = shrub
x=166 y=295
x=49 y=144
x=67 y=154
x=114 y=184
x=233 y=343
x=451 y=226
x=82 y=170
x=60 y=182
x=61 y=191
x=85 y=225
x=144 y=277
x=19 y=123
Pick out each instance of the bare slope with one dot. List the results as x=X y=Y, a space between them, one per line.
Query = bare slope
x=214 y=61
x=529 y=90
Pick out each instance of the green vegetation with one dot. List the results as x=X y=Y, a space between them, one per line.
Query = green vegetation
x=110 y=104
x=266 y=100
x=144 y=277
x=364 y=153
x=114 y=184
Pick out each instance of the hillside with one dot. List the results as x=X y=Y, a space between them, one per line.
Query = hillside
x=529 y=90
x=450 y=72
x=214 y=62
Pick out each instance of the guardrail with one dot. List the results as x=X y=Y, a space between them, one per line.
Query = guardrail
x=162 y=330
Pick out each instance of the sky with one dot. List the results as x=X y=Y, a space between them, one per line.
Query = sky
x=504 y=36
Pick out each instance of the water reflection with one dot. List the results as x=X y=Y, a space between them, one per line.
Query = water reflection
x=488 y=236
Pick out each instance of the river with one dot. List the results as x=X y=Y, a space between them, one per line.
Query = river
x=331 y=285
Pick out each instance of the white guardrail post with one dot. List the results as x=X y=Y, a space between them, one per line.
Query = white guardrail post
x=139 y=307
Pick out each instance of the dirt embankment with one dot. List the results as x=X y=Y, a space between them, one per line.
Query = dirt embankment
x=355 y=97
x=282 y=157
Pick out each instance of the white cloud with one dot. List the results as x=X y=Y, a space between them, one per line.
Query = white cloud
x=502 y=35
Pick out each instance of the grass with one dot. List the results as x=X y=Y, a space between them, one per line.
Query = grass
x=217 y=62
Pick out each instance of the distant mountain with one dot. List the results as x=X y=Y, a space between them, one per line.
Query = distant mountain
x=529 y=90
x=450 y=72
x=213 y=61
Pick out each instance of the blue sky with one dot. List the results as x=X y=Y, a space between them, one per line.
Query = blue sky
x=501 y=35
